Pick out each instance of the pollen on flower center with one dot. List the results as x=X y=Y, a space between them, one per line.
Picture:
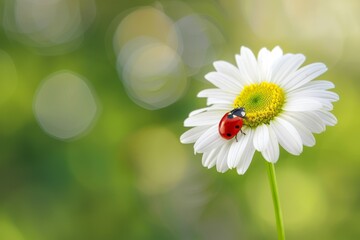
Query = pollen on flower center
x=262 y=102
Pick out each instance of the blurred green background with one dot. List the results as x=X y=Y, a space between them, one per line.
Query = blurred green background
x=93 y=95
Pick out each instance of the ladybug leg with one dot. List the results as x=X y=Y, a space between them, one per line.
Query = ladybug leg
x=242 y=132
x=236 y=138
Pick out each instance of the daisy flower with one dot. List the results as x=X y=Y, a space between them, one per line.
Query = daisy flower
x=283 y=103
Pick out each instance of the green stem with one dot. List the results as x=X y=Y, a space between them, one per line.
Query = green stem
x=275 y=197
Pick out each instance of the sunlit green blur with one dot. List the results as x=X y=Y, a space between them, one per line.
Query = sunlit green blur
x=93 y=95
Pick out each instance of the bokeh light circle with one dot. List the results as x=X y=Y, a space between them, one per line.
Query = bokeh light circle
x=51 y=27
x=200 y=40
x=145 y=22
x=65 y=106
x=155 y=55
x=153 y=73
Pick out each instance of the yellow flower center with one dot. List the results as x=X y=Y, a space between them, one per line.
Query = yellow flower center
x=262 y=102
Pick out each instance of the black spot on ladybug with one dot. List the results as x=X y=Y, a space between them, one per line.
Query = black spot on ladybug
x=228 y=134
x=237 y=126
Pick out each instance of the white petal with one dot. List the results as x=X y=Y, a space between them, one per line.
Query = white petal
x=261 y=137
x=316 y=85
x=209 y=158
x=246 y=79
x=287 y=135
x=307 y=137
x=331 y=96
x=204 y=118
x=288 y=64
x=327 y=106
x=214 y=100
x=216 y=92
x=238 y=148
x=217 y=96
x=276 y=53
x=221 y=161
x=190 y=136
x=209 y=140
x=247 y=63
x=327 y=117
x=263 y=55
x=272 y=152
x=231 y=71
x=303 y=76
x=264 y=62
x=246 y=159
x=310 y=119
x=302 y=104
x=216 y=107
x=223 y=82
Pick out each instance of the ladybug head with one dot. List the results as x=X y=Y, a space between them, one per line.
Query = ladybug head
x=240 y=112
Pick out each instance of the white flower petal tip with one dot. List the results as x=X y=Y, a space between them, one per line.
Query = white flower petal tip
x=241 y=171
x=261 y=137
x=304 y=75
x=272 y=152
x=190 y=136
x=209 y=140
x=301 y=107
x=205 y=118
x=288 y=136
x=277 y=50
x=223 y=81
x=243 y=167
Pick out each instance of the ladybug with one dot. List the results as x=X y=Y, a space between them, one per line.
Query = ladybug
x=231 y=123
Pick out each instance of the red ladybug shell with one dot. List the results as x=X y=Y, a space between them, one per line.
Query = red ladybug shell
x=230 y=125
